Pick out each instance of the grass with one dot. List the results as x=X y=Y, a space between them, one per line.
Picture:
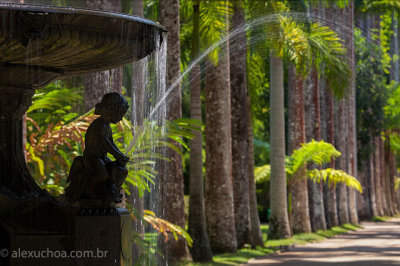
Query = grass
x=270 y=246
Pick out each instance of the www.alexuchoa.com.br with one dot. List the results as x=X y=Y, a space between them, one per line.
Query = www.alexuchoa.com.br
x=56 y=254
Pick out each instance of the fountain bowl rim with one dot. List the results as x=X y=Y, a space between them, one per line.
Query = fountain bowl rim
x=78 y=11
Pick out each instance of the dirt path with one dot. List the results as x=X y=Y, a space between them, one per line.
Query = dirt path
x=376 y=244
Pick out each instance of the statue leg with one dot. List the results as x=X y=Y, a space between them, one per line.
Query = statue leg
x=97 y=175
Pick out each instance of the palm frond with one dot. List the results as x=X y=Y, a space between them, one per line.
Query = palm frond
x=214 y=17
x=329 y=51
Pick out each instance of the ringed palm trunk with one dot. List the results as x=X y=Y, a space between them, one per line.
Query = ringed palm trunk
x=255 y=229
x=327 y=110
x=313 y=131
x=388 y=173
x=385 y=203
x=372 y=178
x=279 y=222
x=300 y=218
x=377 y=175
x=201 y=249
x=341 y=162
x=352 y=141
x=341 y=141
x=239 y=128
x=172 y=185
x=138 y=90
x=220 y=214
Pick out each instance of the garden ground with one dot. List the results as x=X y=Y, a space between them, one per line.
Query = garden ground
x=378 y=243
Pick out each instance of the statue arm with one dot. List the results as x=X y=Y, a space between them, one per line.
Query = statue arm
x=113 y=149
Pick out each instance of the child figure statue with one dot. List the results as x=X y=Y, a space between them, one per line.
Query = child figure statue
x=93 y=176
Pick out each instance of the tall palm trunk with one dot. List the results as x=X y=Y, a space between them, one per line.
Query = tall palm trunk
x=328 y=134
x=172 y=186
x=373 y=188
x=240 y=160
x=138 y=90
x=385 y=203
x=99 y=83
x=300 y=218
x=330 y=189
x=377 y=176
x=388 y=173
x=201 y=249
x=341 y=141
x=313 y=131
x=220 y=214
x=352 y=139
x=341 y=162
x=279 y=222
x=255 y=229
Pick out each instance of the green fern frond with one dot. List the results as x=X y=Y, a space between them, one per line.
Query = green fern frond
x=318 y=152
x=333 y=176
x=262 y=173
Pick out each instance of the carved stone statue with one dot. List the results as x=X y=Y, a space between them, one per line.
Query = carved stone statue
x=94 y=177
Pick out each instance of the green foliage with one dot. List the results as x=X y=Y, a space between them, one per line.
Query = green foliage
x=372 y=93
x=333 y=177
x=328 y=50
x=385 y=34
x=58 y=137
x=214 y=18
x=262 y=173
x=317 y=152
x=142 y=144
x=53 y=131
x=262 y=151
x=381 y=5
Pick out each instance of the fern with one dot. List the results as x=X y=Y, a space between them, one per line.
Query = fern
x=262 y=173
x=333 y=176
x=317 y=152
x=164 y=227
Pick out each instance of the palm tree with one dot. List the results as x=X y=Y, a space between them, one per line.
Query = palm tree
x=219 y=188
x=325 y=46
x=201 y=249
x=255 y=229
x=300 y=219
x=279 y=221
x=172 y=190
x=239 y=126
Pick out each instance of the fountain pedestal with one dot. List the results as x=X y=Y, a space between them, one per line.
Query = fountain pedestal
x=106 y=234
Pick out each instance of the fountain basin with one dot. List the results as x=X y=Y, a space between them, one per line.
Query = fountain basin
x=39 y=44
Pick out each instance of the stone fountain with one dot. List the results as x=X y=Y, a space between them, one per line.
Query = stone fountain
x=40 y=44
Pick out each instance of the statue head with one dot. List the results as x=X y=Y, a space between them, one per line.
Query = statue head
x=112 y=107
